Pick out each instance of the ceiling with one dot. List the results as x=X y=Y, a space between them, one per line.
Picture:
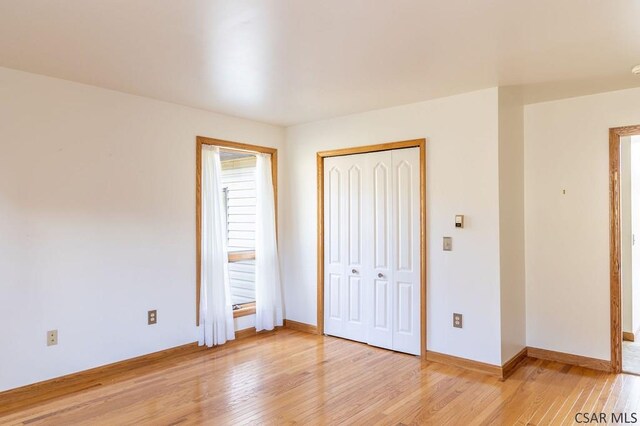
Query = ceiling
x=293 y=61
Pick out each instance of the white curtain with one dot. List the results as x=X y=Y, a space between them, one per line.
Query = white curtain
x=216 y=314
x=268 y=290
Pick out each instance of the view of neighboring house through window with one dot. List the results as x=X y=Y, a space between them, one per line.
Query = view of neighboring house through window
x=239 y=186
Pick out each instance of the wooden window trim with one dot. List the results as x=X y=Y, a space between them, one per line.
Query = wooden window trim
x=245 y=309
x=202 y=140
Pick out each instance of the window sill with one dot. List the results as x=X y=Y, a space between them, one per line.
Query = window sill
x=246 y=309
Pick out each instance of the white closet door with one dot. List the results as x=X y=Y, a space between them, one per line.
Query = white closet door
x=380 y=240
x=372 y=248
x=345 y=308
x=406 y=250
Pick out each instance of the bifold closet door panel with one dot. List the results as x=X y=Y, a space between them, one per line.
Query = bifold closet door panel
x=333 y=245
x=406 y=250
x=380 y=238
x=345 y=268
x=358 y=268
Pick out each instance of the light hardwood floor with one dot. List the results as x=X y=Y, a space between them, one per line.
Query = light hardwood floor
x=291 y=377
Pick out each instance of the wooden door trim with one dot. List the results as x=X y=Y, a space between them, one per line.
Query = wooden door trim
x=414 y=143
x=615 y=284
x=202 y=140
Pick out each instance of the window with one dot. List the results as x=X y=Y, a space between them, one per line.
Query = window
x=239 y=186
x=241 y=218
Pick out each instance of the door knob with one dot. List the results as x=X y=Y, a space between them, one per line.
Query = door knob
x=354 y=271
x=380 y=275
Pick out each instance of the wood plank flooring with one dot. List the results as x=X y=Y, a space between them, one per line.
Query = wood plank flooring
x=289 y=377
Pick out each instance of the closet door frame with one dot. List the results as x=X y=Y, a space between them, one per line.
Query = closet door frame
x=414 y=143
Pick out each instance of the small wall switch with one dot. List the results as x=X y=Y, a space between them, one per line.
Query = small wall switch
x=52 y=337
x=457 y=320
x=459 y=221
x=447 y=244
x=152 y=317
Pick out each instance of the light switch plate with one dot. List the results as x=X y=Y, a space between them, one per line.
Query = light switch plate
x=457 y=320
x=447 y=244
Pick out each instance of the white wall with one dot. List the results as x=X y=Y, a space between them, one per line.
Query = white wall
x=97 y=223
x=567 y=236
x=512 y=272
x=462 y=178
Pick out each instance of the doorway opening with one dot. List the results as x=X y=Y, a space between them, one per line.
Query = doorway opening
x=630 y=251
x=624 y=212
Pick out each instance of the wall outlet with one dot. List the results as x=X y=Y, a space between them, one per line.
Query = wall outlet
x=457 y=320
x=52 y=337
x=152 y=317
x=447 y=244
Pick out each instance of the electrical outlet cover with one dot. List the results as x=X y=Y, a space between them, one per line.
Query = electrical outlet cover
x=152 y=317
x=457 y=320
x=52 y=337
